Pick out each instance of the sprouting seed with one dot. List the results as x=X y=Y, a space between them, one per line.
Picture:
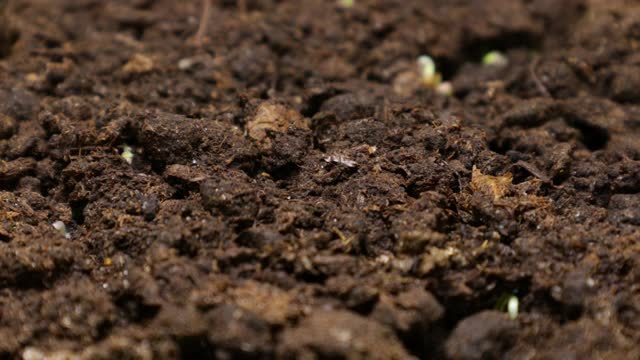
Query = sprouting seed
x=61 y=228
x=508 y=303
x=495 y=58
x=185 y=64
x=347 y=4
x=428 y=74
x=445 y=88
x=512 y=307
x=127 y=154
x=427 y=66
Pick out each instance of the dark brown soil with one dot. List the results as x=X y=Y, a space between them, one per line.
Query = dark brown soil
x=296 y=193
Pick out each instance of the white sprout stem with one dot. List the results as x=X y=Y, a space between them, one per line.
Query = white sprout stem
x=512 y=307
x=61 y=228
x=427 y=66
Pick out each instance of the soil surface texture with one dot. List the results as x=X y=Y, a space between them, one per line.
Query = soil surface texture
x=292 y=188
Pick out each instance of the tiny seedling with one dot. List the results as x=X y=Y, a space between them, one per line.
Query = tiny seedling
x=445 y=88
x=127 y=154
x=510 y=304
x=428 y=74
x=512 y=307
x=61 y=228
x=430 y=77
x=185 y=64
x=495 y=58
x=347 y=4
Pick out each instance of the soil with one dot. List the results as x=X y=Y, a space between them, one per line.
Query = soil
x=290 y=190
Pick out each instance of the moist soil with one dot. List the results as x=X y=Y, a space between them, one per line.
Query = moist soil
x=289 y=189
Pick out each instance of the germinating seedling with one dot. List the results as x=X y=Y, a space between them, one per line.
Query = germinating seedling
x=512 y=307
x=510 y=304
x=430 y=77
x=127 y=154
x=495 y=58
x=61 y=228
x=428 y=74
x=347 y=4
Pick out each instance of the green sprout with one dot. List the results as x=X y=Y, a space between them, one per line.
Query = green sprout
x=127 y=154
x=510 y=304
x=495 y=58
x=347 y=4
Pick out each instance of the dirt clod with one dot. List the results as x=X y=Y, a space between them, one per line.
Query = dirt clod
x=485 y=335
x=340 y=334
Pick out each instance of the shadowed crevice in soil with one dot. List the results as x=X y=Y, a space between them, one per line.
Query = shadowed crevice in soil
x=134 y=308
x=593 y=137
x=9 y=35
x=77 y=211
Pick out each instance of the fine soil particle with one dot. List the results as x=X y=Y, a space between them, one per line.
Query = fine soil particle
x=291 y=188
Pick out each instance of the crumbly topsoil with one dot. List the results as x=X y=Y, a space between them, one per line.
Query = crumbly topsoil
x=296 y=193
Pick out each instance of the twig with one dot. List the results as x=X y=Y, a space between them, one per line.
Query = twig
x=198 y=39
x=543 y=89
